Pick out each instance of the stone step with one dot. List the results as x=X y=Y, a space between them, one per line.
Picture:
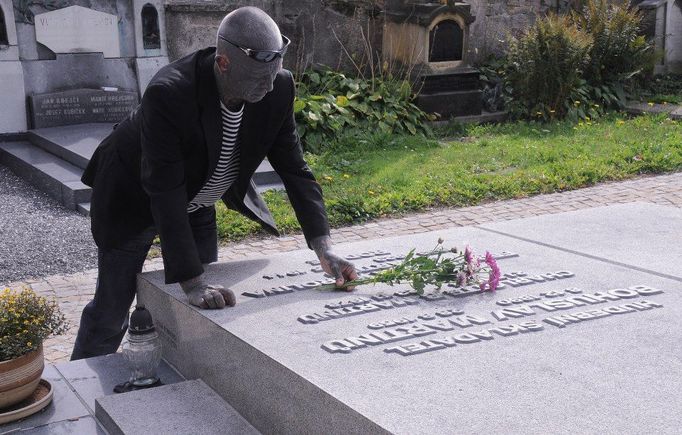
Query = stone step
x=53 y=160
x=77 y=143
x=76 y=385
x=73 y=143
x=84 y=208
x=266 y=178
x=49 y=173
x=189 y=407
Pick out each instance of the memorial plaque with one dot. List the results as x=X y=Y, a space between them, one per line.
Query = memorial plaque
x=76 y=29
x=81 y=106
x=568 y=343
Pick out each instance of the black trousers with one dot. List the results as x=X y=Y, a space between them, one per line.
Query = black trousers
x=104 y=321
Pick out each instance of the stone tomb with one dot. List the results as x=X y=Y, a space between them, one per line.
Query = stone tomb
x=81 y=106
x=572 y=341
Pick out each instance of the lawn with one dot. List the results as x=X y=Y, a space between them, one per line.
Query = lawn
x=376 y=175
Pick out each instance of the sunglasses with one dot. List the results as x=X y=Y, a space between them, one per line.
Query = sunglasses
x=263 y=56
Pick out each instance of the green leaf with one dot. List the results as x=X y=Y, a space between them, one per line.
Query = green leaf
x=342 y=101
x=298 y=105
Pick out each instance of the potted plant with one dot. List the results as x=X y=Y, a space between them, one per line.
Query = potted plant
x=26 y=319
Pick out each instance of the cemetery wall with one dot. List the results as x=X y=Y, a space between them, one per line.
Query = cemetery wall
x=321 y=31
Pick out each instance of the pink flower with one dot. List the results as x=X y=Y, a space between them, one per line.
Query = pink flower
x=468 y=254
x=473 y=265
x=494 y=275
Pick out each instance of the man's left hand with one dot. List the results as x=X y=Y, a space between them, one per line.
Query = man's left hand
x=341 y=269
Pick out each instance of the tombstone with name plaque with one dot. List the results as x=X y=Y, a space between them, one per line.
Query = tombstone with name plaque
x=582 y=336
x=80 y=106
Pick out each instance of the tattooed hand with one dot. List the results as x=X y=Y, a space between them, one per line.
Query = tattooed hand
x=331 y=263
x=209 y=296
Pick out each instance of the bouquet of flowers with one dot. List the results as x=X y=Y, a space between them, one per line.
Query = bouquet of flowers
x=437 y=267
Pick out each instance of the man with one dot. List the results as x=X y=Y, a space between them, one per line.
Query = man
x=204 y=125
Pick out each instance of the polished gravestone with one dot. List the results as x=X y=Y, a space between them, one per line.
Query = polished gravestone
x=80 y=106
x=572 y=342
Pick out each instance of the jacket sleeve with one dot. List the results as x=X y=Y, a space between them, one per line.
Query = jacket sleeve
x=163 y=179
x=305 y=194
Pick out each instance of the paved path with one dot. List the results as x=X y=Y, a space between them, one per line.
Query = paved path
x=75 y=290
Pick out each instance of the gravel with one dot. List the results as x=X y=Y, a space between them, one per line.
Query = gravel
x=38 y=236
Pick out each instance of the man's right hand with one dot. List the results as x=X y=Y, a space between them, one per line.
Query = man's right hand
x=207 y=295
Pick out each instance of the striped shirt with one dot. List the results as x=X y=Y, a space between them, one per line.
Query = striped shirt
x=227 y=169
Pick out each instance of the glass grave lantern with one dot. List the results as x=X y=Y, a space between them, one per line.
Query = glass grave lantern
x=142 y=352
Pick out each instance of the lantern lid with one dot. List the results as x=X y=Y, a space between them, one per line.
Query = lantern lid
x=141 y=321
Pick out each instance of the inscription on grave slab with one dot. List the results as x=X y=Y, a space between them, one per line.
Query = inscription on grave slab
x=76 y=29
x=405 y=328
x=80 y=106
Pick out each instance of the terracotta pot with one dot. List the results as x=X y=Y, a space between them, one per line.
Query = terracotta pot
x=19 y=377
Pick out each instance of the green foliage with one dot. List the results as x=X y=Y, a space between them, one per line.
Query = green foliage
x=545 y=67
x=329 y=103
x=26 y=319
x=378 y=175
x=662 y=89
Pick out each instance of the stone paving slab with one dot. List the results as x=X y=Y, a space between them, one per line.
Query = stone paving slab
x=65 y=406
x=75 y=290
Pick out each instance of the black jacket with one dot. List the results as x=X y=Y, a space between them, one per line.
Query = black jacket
x=148 y=169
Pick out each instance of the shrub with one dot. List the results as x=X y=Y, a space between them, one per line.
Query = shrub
x=544 y=69
x=618 y=51
x=329 y=102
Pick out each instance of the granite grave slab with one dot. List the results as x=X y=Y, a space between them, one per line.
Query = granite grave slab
x=568 y=344
x=641 y=235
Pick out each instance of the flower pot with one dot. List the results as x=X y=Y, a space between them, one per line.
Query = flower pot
x=19 y=377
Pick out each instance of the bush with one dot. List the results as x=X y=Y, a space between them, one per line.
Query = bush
x=577 y=66
x=618 y=54
x=618 y=51
x=545 y=67
x=329 y=102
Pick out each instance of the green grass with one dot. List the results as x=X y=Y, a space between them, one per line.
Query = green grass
x=380 y=175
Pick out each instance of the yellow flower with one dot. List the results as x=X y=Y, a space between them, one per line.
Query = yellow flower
x=620 y=122
x=650 y=104
x=328 y=178
x=346 y=176
x=371 y=192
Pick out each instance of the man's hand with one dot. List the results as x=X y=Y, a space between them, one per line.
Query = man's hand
x=341 y=269
x=206 y=296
